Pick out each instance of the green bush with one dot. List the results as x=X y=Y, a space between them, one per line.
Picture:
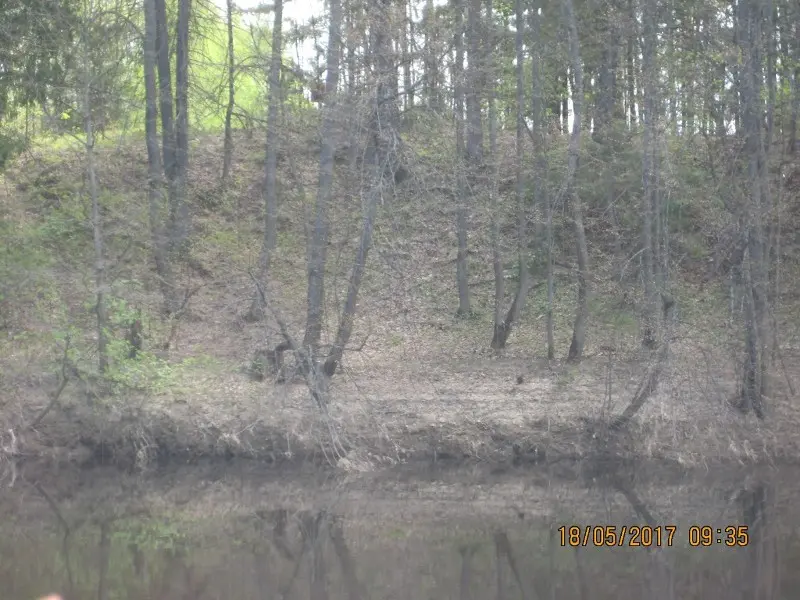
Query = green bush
x=12 y=143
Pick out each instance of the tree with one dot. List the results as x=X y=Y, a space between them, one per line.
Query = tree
x=318 y=244
x=37 y=52
x=497 y=252
x=755 y=267
x=88 y=82
x=503 y=328
x=540 y=168
x=154 y=164
x=382 y=151
x=170 y=237
x=579 y=327
x=228 y=149
x=650 y=198
x=462 y=271
x=271 y=164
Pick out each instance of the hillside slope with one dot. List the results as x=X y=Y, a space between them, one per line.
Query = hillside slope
x=417 y=382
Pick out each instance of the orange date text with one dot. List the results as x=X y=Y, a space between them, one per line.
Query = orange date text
x=645 y=536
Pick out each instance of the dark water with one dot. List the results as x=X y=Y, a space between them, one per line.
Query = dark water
x=241 y=532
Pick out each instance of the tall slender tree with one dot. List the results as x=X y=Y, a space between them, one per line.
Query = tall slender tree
x=582 y=251
x=462 y=271
x=271 y=164
x=503 y=330
x=318 y=244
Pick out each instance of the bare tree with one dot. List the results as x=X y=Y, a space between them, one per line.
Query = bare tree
x=155 y=188
x=497 y=252
x=543 y=200
x=170 y=237
x=227 y=156
x=794 y=141
x=754 y=387
x=318 y=244
x=430 y=65
x=88 y=82
x=579 y=328
x=632 y=36
x=502 y=331
x=462 y=271
x=382 y=162
x=271 y=164
x=179 y=208
x=168 y=142
x=406 y=23
x=649 y=204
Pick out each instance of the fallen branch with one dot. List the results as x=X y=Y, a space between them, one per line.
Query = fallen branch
x=644 y=391
x=64 y=379
x=650 y=380
x=176 y=316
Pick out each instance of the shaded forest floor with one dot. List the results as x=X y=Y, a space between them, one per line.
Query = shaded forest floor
x=417 y=383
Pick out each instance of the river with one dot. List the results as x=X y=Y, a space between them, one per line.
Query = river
x=241 y=531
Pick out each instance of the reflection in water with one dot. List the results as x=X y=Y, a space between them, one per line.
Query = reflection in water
x=760 y=573
x=395 y=547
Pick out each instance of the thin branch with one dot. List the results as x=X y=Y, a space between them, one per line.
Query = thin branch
x=64 y=380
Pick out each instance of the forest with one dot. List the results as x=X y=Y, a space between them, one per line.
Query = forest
x=399 y=230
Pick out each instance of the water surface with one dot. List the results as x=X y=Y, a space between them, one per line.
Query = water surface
x=240 y=531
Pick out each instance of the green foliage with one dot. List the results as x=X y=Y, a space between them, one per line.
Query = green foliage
x=12 y=143
x=36 y=51
x=149 y=535
x=24 y=281
x=147 y=372
x=208 y=56
x=225 y=239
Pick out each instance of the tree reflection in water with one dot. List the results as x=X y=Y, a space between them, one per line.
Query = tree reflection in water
x=401 y=549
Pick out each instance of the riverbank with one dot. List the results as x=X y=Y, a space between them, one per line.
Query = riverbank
x=467 y=410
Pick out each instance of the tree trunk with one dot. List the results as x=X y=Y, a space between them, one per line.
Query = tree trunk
x=757 y=333
x=103 y=554
x=155 y=187
x=794 y=142
x=497 y=251
x=381 y=150
x=564 y=82
x=631 y=85
x=431 y=67
x=462 y=273
x=540 y=169
x=502 y=331
x=97 y=224
x=472 y=93
x=165 y=91
x=649 y=258
x=170 y=234
x=607 y=113
x=405 y=57
x=228 y=148
x=271 y=166
x=474 y=149
x=579 y=328
x=179 y=209
x=319 y=241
